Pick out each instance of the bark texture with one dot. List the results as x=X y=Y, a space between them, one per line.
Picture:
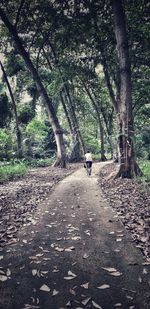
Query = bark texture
x=100 y=122
x=128 y=165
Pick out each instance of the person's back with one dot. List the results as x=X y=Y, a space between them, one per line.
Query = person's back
x=88 y=157
x=88 y=161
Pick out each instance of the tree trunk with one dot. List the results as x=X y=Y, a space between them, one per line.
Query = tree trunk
x=18 y=132
x=101 y=128
x=75 y=121
x=109 y=125
x=58 y=133
x=75 y=155
x=71 y=117
x=128 y=165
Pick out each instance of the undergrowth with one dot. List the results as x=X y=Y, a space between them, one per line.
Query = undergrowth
x=10 y=172
x=145 y=167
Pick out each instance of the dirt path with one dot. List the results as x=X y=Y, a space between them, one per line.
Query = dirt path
x=74 y=254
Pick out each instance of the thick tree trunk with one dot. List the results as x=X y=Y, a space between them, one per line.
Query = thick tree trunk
x=128 y=166
x=58 y=133
x=18 y=132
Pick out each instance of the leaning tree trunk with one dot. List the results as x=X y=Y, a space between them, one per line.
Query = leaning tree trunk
x=18 y=132
x=58 y=133
x=128 y=165
x=71 y=117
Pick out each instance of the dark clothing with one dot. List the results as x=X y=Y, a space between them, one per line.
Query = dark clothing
x=89 y=164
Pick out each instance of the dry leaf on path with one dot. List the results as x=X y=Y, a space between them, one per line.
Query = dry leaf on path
x=85 y=301
x=45 y=288
x=59 y=249
x=3 y=278
x=69 y=278
x=85 y=285
x=71 y=291
x=110 y=269
x=96 y=305
x=71 y=274
x=85 y=256
x=34 y=272
x=103 y=287
x=69 y=249
x=116 y=274
x=55 y=292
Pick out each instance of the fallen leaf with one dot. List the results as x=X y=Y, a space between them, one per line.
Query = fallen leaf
x=59 y=249
x=72 y=292
x=85 y=301
x=103 y=287
x=85 y=256
x=110 y=269
x=96 y=305
x=140 y=279
x=24 y=241
x=34 y=272
x=45 y=288
x=85 y=285
x=70 y=249
x=69 y=278
x=8 y=272
x=39 y=254
x=55 y=292
x=3 y=278
x=116 y=274
x=145 y=272
x=129 y=297
x=71 y=274
x=68 y=304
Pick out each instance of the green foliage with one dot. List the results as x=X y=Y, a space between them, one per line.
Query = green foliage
x=145 y=167
x=9 y=172
x=14 y=63
x=142 y=145
x=41 y=138
x=40 y=162
x=25 y=113
x=5 y=144
x=36 y=129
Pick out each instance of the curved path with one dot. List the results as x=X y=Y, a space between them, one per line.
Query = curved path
x=74 y=254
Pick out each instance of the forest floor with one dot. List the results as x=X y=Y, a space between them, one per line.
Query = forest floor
x=64 y=246
x=131 y=200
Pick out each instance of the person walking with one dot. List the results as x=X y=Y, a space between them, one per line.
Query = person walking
x=88 y=162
